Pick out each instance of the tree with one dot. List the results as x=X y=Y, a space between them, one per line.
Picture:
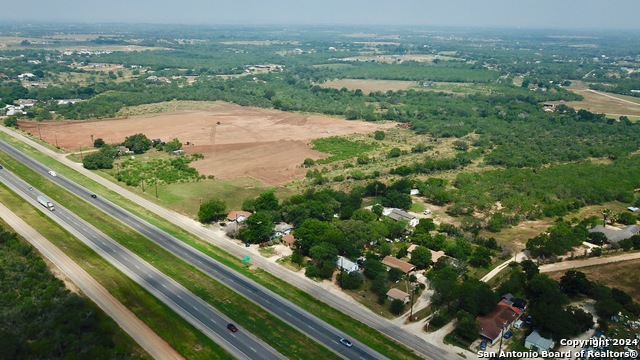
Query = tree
x=351 y=281
x=597 y=238
x=137 y=143
x=259 y=227
x=530 y=268
x=397 y=307
x=394 y=153
x=467 y=326
x=481 y=257
x=574 y=283
x=379 y=284
x=172 y=145
x=425 y=225
x=266 y=201
x=379 y=135
x=394 y=274
x=308 y=162
x=98 y=143
x=11 y=121
x=421 y=257
x=627 y=218
x=374 y=267
x=211 y=210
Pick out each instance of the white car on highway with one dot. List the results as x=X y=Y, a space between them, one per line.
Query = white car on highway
x=52 y=173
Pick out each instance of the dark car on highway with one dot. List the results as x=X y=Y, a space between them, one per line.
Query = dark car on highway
x=232 y=327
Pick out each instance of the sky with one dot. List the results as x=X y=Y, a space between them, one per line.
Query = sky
x=546 y=14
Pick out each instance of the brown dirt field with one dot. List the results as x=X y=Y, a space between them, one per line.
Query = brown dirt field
x=611 y=104
x=609 y=274
x=236 y=141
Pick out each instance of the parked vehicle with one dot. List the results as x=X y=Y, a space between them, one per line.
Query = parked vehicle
x=483 y=345
x=508 y=334
x=45 y=202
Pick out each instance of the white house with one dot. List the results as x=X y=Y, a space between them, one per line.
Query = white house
x=397 y=215
x=537 y=343
x=346 y=265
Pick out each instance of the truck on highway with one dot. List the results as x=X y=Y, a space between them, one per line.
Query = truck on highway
x=45 y=202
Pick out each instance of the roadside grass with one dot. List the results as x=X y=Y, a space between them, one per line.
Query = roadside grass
x=272 y=330
x=187 y=340
x=364 y=333
x=123 y=342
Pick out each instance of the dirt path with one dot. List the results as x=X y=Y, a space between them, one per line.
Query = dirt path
x=573 y=264
x=139 y=331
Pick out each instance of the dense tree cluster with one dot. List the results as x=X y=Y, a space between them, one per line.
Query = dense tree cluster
x=40 y=318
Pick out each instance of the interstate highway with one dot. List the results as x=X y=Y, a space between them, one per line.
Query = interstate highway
x=307 y=323
x=193 y=309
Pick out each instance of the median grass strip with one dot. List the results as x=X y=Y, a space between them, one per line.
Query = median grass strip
x=284 y=338
x=363 y=333
x=183 y=337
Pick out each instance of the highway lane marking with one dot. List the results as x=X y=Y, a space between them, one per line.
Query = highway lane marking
x=254 y=350
x=137 y=267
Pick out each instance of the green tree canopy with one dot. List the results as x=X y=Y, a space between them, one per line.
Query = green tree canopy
x=212 y=210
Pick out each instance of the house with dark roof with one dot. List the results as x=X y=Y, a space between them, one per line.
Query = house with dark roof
x=498 y=321
x=392 y=262
x=614 y=234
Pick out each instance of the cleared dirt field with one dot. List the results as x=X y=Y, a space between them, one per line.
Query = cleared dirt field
x=609 y=274
x=613 y=105
x=268 y=145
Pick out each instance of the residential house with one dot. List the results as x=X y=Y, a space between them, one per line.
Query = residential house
x=289 y=240
x=498 y=321
x=347 y=265
x=397 y=215
x=614 y=235
x=392 y=262
x=397 y=294
x=633 y=209
x=538 y=343
x=238 y=216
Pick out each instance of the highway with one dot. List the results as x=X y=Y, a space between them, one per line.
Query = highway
x=305 y=322
x=242 y=344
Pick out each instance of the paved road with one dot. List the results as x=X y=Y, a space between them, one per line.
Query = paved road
x=365 y=316
x=242 y=344
x=138 y=330
x=277 y=305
